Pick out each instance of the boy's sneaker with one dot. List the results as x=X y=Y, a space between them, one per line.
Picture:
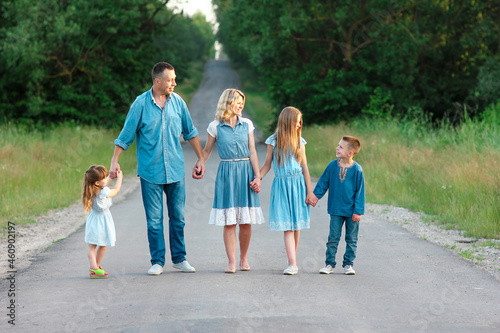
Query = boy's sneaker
x=328 y=269
x=348 y=270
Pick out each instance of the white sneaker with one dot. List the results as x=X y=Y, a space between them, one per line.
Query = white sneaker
x=185 y=267
x=348 y=270
x=155 y=270
x=328 y=269
x=291 y=270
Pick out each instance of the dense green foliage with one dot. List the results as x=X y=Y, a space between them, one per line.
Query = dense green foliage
x=88 y=60
x=333 y=58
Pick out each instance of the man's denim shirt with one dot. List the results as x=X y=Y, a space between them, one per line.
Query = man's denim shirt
x=159 y=153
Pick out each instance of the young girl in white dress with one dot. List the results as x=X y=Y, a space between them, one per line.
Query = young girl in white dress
x=235 y=203
x=99 y=229
x=291 y=192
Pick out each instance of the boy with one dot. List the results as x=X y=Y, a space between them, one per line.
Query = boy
x=344 y=180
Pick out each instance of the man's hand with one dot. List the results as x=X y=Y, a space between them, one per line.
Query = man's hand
x=356 y=218
x=114 y=169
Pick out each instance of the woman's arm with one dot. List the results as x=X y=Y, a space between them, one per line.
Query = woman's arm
x=209 y=146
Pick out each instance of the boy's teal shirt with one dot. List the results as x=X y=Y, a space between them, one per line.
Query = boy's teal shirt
x=347 y=196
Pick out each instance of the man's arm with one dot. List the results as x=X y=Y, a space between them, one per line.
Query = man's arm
x=199 y=167
x=115 y=167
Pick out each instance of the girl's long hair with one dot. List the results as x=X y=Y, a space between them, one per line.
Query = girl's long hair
x=288 y=136
x=226 y=103
x=94 y=174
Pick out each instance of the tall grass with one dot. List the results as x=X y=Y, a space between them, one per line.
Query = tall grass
x=449 y=172
x=41 y=169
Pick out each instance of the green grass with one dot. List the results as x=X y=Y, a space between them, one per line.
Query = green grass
x=42 y=169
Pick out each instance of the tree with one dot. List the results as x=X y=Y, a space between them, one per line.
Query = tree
x=59 y=64
x=329 y=57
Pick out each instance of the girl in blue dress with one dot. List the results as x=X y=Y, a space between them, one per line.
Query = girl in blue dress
x=100 y=228
x=291 y=192
x=235 y=203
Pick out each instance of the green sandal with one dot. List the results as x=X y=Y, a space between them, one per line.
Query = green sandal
x=98 y=274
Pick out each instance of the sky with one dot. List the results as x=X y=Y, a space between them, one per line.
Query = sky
x=192 y=6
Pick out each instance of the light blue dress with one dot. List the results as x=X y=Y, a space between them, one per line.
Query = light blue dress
x=100 y=228
x=234 y=201
x=288 y=209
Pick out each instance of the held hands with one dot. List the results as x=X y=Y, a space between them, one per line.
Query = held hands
x=256 y=184
x=198 y=170
x=311 y=199
x=114 y=169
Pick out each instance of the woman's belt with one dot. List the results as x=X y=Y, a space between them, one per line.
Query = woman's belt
x=236 y=159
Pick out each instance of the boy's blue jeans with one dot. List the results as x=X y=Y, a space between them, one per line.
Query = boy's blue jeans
x=152 y=197
x=351 y=239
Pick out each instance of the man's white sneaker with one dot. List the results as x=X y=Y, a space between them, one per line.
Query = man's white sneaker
x=155 y=270
x=328 y=269
x=291 y=270
x=185 y=267
x=348 y=270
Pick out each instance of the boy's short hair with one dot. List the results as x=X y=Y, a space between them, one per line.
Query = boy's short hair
x=352 y=143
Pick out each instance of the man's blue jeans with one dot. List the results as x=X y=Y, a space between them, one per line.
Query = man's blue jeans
x=351 y=239
x=152 y=197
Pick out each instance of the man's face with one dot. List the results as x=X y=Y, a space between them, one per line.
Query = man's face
x=167 y=82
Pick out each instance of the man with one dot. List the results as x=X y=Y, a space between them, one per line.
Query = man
x=157 y=118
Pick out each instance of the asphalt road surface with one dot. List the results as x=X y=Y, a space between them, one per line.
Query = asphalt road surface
x=402 y=283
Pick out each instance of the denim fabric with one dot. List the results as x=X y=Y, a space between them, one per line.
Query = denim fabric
x=152 y=197
x=159 y=152
x=351 y=239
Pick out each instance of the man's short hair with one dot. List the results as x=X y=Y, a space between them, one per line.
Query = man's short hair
x=159 y=68
x=352 y=143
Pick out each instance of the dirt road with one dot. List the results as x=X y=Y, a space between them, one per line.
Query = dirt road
x=403 y=283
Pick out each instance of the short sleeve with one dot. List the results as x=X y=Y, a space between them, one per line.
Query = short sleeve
x=251 y=127
x=271 y=140
x=102 y=201
x=104 y=192
x=212 y=128
x=303 y=141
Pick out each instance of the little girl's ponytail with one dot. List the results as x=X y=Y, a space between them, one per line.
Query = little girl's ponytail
x=94 y=174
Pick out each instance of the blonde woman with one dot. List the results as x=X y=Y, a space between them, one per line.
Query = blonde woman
x=291 y=191
x=235 y=203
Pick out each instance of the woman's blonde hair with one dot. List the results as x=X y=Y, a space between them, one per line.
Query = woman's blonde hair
x=288 y=135
x=94 y=174
x=227 y=102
